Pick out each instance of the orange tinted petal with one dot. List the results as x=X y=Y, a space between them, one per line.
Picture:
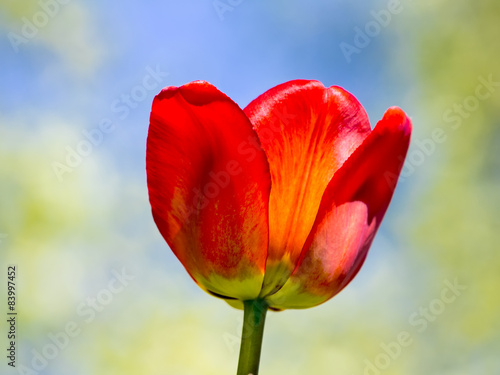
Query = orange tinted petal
x=350 y=213
x=209 y=187
x=307 y=132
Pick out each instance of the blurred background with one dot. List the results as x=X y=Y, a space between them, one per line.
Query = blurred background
x=98 y=290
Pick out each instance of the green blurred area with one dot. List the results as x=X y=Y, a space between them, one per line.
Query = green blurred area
x=455 y=223
x=68 y=238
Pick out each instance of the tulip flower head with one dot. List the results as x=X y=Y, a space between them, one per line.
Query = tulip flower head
x=279 y=201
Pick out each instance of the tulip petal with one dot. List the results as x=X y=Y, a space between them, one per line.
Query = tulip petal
x=307 y=132
x=209 y=186
x=350 y=213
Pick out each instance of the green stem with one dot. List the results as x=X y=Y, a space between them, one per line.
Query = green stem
x=251 y=337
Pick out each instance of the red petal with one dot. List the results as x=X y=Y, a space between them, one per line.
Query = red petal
x=209 y=186
x=374 y=168
x=350 y=213
x=307 y=132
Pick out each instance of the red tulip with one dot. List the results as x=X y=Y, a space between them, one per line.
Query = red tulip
x=279 y=201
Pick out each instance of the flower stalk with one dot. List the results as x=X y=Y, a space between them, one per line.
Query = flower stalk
x=251 y=336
